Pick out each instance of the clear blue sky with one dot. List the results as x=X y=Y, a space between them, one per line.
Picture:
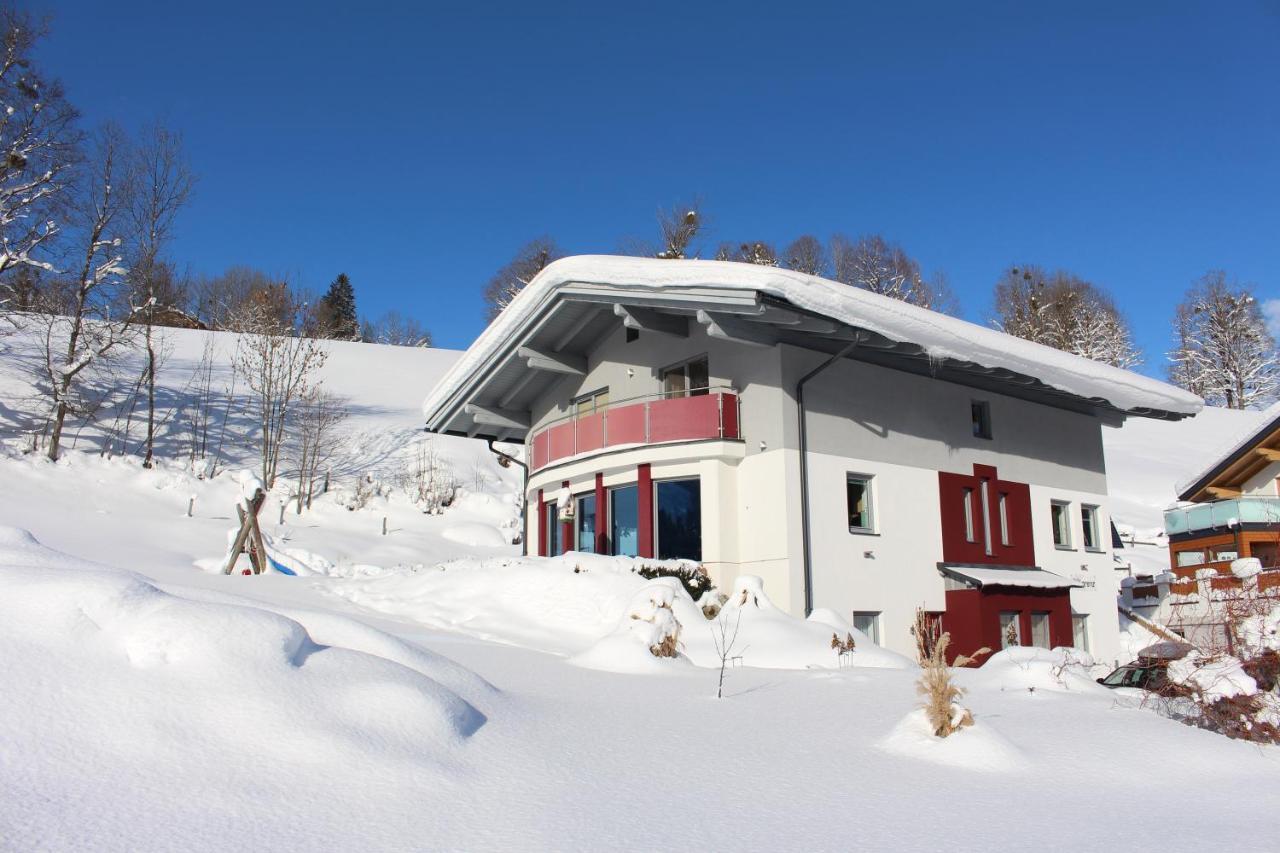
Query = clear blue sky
x=1137 y=145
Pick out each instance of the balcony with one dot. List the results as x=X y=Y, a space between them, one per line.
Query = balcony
x=657 y=419
x=1222 y=515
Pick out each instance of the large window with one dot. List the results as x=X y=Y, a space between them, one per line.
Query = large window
x=868 y=622
x=554 y=545
x=587 y=524
x=624 y=515
x=1060 y=515
x=858 y=498
x=689 y=379
x=1040 y=629
x=1089 y=524
x=970 y=534
x=679 y=505
x=1003 y=503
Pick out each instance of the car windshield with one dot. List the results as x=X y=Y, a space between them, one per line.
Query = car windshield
x=1122 y=677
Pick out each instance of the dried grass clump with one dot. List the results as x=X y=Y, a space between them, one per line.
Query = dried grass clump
x=946 y=715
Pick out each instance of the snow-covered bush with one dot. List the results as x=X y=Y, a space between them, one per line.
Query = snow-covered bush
x=946 y=715
x=692 y=577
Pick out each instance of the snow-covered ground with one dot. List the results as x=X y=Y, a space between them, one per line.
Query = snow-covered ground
x=424 y=689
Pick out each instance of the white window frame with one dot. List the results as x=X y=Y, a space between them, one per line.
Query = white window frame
x=1089 y=517
x=970 y=526
x=869 y=493
x=1003 y=508
x=873 y=616
x=1065 y=526
x=1080 y=630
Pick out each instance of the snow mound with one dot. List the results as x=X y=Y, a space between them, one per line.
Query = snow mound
x=1213 y=677
x=1031 y=669
x=649 y=622
x=105 y=670
x=476 y=534
x=769 y=638
x=977 y=747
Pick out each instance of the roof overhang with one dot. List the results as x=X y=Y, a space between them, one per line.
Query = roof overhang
x=1225 y=477
x=1029 y=577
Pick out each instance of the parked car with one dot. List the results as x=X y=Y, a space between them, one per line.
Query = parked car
x=1151 y=670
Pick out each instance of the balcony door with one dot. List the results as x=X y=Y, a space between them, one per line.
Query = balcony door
x=688 y=379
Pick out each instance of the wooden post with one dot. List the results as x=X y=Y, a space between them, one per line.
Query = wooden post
x=191 y=506
x=249 y=534
x=258 y=554
x=384 y=525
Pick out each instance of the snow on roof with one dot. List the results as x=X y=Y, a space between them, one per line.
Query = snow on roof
x=940 y=335
x=1245 y=440
x=1032 y=578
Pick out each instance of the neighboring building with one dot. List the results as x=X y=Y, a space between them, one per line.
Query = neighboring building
x=855 y=452
x=1231 y=511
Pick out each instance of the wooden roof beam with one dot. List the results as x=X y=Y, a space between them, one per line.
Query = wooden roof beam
x=648 y=320
x=1271 y=454
x=554 y=362
x=730 y=328
x=505 y=418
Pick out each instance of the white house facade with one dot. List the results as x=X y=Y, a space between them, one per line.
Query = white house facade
x=856 y=453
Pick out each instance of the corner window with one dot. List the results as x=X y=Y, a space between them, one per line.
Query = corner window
x=858 y=496
x=1089 y=527
x=1060 y=514
x=980 y=410
x=967 y=494
x=868 y=622
x=690 y=379
x=589 y=404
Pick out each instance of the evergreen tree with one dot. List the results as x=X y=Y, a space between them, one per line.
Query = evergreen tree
x=337 y=311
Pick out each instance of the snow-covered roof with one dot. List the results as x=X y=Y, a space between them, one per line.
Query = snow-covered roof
x=1224 y=458
x=1031 y=578
x=941 y=337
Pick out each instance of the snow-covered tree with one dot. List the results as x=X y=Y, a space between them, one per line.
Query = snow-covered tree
x=336 y=311
x=1223 y=350
x=38 y=148
x=396 y=329
x=806 y=255
x=507 y=282
x=677 y=227
x=80 y=332
x=1063 y=311
x=757 y=252
x=873 y=263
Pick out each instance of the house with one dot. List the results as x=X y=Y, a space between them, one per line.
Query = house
x=854 y=452
x=1229 y=512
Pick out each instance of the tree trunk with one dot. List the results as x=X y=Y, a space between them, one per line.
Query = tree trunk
x=151 y=395
x=59 y=417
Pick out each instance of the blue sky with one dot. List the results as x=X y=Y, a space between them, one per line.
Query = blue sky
x=1137 y=145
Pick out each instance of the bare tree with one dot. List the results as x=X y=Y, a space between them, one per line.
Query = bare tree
x=220 y=301
x=507 y=282
x=875 y=264
x=279 y=366
x=677 y=227
x=164 y=185
x=86 y=334
x=757 y=252
x=1063 y=311
x=317 y=418
x=38 y=145
x=806 y=255
x=725 y=640
x=1225 y=352
x=396 y=329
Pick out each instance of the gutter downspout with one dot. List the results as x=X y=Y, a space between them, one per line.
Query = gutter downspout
x=524 y=494
x=807 y=545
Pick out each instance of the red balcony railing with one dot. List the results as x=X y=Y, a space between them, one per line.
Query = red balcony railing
x=643 y=420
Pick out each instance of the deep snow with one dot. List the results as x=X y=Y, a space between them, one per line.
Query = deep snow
x=385 y=702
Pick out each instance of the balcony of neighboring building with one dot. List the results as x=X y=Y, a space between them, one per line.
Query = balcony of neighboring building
x=665 y=418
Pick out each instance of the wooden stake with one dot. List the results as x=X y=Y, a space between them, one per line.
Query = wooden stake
x=384 y=525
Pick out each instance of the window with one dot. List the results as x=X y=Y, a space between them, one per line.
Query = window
x=1002 y=505
x=980 y=410
x=624 y=515
x=1080 y=632
x=1040 y=630
x=587 y=524
x=1089 y=524
x=1010 y=629
x=691 y=379
x=868 y=622
x=589 y=404
x=858 y=495
x=986 y=514
x=679 y=527
x=633 y=335
x=1060 y=514
x=554 y=545
x=968 y=515
x=1191 y=558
